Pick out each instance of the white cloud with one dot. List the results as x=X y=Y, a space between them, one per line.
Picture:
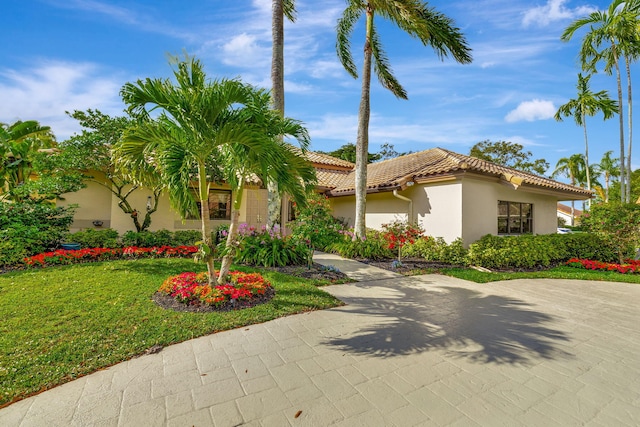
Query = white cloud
x=530 y=111
x=244 y=50
x=554 y=10
x=45 y=92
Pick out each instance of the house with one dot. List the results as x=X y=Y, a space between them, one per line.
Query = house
x=564 y=213
x=449 y=194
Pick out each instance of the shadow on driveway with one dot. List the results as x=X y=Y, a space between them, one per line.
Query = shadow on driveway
x=415 y=315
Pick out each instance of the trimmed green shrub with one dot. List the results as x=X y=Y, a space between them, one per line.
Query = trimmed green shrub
x=147 y=239
x=90 y=238
x=374 y=247
x=530 y=251
x=454 y=253
x=186 y=237
x=28 y=228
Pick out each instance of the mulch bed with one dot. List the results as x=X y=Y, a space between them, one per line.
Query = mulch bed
x=170 y=303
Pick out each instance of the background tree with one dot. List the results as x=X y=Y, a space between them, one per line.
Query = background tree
x=348 y=152
x=571 y=167
x=279 y=10
x=509 y=154
x=91 y=152
x=612 y=35
x=619 y=223
x=388 y=151
x=586 y=104
x=609 y=170
x=418 y=20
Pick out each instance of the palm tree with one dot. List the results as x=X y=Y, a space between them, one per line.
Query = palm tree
x=572 y=167
x=586 y=104
x=190 y=139
x=609 y=169
x=612 y=35
x=271 y=161
x=18 y=144
x=279 y=10
x=432 y=28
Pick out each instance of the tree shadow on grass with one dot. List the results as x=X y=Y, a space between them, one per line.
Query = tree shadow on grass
x=483 y=328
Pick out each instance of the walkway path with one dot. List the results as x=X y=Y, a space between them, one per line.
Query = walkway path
x=427 y=350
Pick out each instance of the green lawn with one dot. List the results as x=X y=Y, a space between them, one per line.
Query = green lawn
x=561 y=272
x=60 y=323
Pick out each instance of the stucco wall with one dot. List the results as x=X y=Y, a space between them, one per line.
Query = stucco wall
x=466 y=208
x=480 y=208
x=438 y=209
x=382 y=208
x=94 y=203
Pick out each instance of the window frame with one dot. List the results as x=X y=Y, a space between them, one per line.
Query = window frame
x=215 y=213
x=517 y=220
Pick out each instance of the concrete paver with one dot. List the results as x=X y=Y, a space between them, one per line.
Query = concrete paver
x=425 y=350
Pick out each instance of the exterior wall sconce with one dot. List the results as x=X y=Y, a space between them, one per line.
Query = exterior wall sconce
x=148 y=203
x=97 y=223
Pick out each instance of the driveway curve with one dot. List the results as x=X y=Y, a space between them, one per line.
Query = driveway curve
x=426 y=350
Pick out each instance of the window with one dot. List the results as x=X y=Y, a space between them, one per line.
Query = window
x=515 y=218
x=291 y=211
x=219 y=205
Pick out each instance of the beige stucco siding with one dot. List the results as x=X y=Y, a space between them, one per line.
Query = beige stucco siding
x=480 y=208
x=93 y=203
x=382 y=208
x=438 y=209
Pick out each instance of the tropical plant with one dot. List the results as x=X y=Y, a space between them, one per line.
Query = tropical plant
x=91 y=153
x=417 y=19
x=571 y=167
x=612 y=36
x=315 y=224
x=19 y=143
x=608 y=168
x=200 y=127
x=619 y=223
x=586 y=104
x=272 y=161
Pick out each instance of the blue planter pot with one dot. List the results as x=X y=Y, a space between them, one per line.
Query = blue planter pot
x=70 y=246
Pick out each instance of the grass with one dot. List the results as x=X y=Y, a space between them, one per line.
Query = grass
x=561 y=272
x=64 y=322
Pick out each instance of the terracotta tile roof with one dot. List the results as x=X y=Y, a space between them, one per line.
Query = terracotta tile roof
x=394 y=173
x=567 y=210
x=327 y=160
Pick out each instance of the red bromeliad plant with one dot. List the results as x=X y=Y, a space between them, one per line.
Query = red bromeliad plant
x=62 y=256
x=193 y=288
x=400 y=233
x=630 y=266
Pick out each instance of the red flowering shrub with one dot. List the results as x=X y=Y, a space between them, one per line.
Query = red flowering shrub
x=62 y=256
x=193 y=288
x=400 y=233
x=630 y=266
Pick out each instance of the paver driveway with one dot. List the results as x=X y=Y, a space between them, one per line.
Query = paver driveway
x=427 y=350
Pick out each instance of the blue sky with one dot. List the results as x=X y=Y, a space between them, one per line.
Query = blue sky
x=62 y=55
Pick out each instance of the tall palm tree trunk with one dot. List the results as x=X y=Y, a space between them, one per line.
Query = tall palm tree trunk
x=630 y=124
x=232 y=236
x=621 y=117
x=362 y=143
x=203 y=195
x=274 y=203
